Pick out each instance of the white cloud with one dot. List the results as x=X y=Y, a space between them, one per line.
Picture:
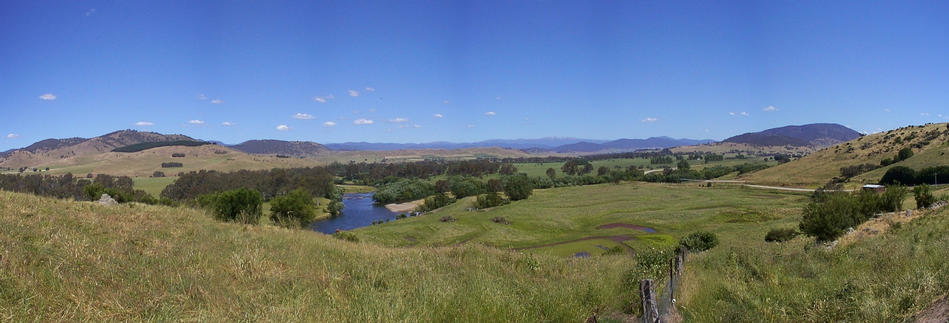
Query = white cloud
x=398 y=120
x=490 y=113
x=470 y=126
x=47 y=97
x=649 y=119
x=497 y=98
x=12 y=135
x=283 y=127
x=731 y=113
x=370 y=89
x=195 y=122
x=744 y=113
x=202 y=97
x=144 y=124
x=438 y=115
x=320 y=99
x=217 y=101
x=363 y=122
x=410 y=126
x=329 y=123
x=445 y=102
x=303 y=116
x=353 y=93
x=925 y=114
x=770 y=108
x=227 y=123
x=90 y=12
x=886 y=110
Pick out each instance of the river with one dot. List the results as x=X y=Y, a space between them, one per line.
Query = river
x=358 y=211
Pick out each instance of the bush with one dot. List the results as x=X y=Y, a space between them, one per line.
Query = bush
x=615 y=250
x=335 y=208
x=489 y=200
x=403 y=190
x=241 y=205
x=827 y=220
x=447 y=218
x=500 y=220
x=518 y=187
x=158 y=174
x=699 y=241
x=781 y=235
x=296 y=209
x=892 y=198
x=436 y=201
x=346 y=235
x=924 y=197
x=466 y=186
x=171 y=165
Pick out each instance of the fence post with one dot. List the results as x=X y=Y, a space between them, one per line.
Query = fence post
x=648 y=297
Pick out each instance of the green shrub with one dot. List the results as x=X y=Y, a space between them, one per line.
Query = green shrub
x=436 y=201
x=781 y=235
x=296 y=209
x=518 y=187
x=334 y=208
x=500 y=220
x=466 y=186
x=899 y=175
x=615 y=250
x=241 y=205
x=892 y=199
x=827 y=220
x=346 y=235
x=924 y=196
x=403 y=190
x=699 y=241
x=489 y=200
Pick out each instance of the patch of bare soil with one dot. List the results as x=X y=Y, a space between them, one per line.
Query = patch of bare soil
x=404 y=207
x=938 y=312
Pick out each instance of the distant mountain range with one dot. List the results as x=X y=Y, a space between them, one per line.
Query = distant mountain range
x=104 y=143
x=280 y=147
x=817 y=135
x=552 y=144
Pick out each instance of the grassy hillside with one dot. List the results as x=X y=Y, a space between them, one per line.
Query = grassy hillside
x=558 y=220
x=78 y=261
x=929 y=143
x=885 y=278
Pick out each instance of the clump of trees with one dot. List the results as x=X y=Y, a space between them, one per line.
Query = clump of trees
x=171 y=165
x=270 y=183
x=851 y=171
x=380 y=173
x=699 y=241
x=830 y=214
x=518 y=187
x=403 y=190
x=435 y=202
x=69 y=187
x=490 y=200
x=902 y=155
x=902 y=175
x=296 y=209
x=241 y=205
x=924 y=196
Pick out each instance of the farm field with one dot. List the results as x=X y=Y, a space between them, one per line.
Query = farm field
x=564 y=221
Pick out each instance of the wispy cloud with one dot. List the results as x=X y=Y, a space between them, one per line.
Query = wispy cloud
x=197 y=122
x=329 y=123
x=445 y=102
x=497 y=98
x=323 y=99
x=370 y=89
x=227 y=123
x=649 y=119
x=353 y=93
x=362 y=122
x=410 y=126
x=303 y=116
x=12 y=135
x=470 y=126
x=925 y=114
x=90 y=12
x=731 y=113
x=47 y=97
x=490 y=113
x=887 y=110
x=770 y=108
x=202 y=97
x=144 y=124
x=744 y=113
x=283 y=127
x=438 y=115
x=398 y=120
x=217 y=101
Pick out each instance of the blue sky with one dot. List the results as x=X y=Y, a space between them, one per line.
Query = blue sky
x=413 y=71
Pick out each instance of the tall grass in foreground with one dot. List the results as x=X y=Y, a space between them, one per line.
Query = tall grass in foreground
x=886 y=278
x=78 y=261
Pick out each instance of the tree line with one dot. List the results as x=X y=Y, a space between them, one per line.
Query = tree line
x=68 y=186
x=380 y=173
x=318 y=181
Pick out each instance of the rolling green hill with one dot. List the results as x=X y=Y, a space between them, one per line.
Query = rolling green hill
x=78 y=261
x=930 y=144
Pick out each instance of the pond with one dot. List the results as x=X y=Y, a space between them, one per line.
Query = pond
x=358 y=211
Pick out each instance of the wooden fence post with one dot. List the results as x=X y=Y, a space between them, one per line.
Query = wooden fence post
x=648 y=297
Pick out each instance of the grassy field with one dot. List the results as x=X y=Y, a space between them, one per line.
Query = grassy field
x=78 y=261
x=568 y=215
x=818 y=168
x=540 y=169
x=153 y=185
x=885 y=278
